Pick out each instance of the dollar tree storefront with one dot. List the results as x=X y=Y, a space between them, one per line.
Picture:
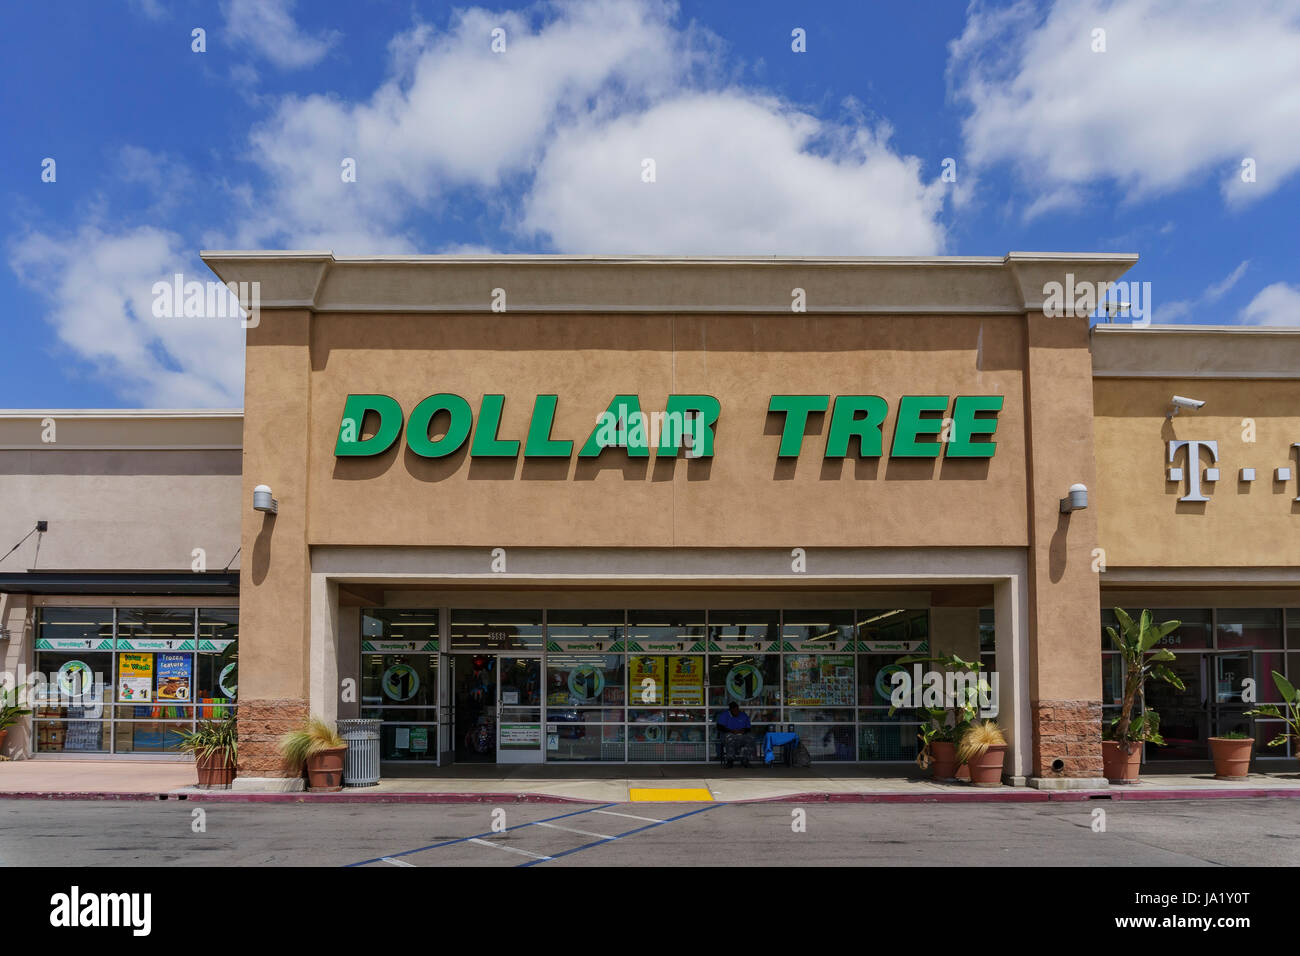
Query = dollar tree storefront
x=549 y=509
x=564 y=510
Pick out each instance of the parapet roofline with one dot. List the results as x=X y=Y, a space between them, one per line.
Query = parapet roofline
x=318 y=280
x=123 y=413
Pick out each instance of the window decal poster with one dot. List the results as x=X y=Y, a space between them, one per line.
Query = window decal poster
x=646 y=679
x=135 y=677
x=174 y=677
x=686 y=681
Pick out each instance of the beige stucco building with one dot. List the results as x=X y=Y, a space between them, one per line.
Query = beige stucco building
x=544 y=509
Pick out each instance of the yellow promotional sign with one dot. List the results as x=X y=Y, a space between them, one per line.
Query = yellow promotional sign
x=686 y=681
x=135 y=677
x=645 y=680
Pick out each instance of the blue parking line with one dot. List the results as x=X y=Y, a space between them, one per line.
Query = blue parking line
x=648 y=826
x=477 y=836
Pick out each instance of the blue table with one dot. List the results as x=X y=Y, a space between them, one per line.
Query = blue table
x=777 y=740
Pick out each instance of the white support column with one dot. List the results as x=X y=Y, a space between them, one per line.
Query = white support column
x=349 y=659
x=323 y=667
x=1011 y=640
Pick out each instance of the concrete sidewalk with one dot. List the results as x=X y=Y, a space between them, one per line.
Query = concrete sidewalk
x=126 y=780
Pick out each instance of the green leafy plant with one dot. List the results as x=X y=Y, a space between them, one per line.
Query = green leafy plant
x=1233 y=735
x=947 y=724
x=10 y=712
x=977 y=739
x=1134 y=641
x=1290 y=717
x=212 y=737
x=311 y=738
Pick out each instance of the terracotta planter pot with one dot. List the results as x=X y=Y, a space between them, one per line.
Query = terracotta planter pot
x=3 y=734
x=943 y=762
x=216 y=771
x=1231 y=757
x=1119 y=767
x=325 y=770
x=986 y=771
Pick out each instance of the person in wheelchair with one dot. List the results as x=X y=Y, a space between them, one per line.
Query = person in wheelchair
x=734 y=736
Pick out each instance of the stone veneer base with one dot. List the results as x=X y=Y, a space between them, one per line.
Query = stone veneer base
x=1068 y=731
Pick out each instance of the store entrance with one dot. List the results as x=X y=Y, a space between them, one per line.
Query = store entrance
x=497 y=708
x=1211 y=704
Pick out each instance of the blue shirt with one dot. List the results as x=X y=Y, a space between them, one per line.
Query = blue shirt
x=739 y=722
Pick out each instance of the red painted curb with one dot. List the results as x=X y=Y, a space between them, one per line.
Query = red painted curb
x=1004 y=795
x=227 y=796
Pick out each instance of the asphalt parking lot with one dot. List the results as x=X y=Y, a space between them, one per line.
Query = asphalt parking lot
x=1248 y=832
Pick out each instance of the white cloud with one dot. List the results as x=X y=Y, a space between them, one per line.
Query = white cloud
x=268 y=28
x=1184 y=91
x=1217 y=290
x=1276 y=304
x=564 y=117
x=453 y=115
x=734 y=173
x=99 y=286
x=1168 y=312
x=546 y=139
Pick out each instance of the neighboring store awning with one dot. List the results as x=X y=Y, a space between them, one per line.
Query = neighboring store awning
x=209 y=584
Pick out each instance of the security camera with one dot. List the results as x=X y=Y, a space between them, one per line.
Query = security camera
x=1179 y=402
x=262 y=500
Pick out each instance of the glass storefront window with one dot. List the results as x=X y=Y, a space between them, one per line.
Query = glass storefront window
x=665 y=631
x=584 y=688
x=216 y=664
x=898 y=630
x=751 y=680
x=1194 y=633
x=399 y=681
x=71 y=707
x=818 y=626
x=875 y=676
x=496 y=630
x=602 y=629
x=744 y=626
x=1249 y=628
x=127 y=681
x=819 y=680
x=888 y=741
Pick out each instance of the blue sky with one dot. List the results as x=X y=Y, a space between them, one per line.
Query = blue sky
x=1063 y=138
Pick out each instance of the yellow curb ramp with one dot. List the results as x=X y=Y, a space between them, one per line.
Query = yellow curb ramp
x=669 y=795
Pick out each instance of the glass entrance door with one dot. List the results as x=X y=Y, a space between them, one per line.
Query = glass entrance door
x=519 y=708
x=474 y=702
x=1184 y=714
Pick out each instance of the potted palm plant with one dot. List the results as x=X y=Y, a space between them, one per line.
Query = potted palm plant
x=10 y=712
x=317 y=747
x=215 y=746
x=1290 y=717
x=1231 y=752
x=1121 y=750
x=983 y=749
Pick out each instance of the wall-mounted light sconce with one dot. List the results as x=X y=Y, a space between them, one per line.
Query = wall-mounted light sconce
x=1076 y=500
x=262 y=500
x=1179 y=402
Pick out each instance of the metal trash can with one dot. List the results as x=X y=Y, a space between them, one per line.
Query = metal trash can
x=361 y=769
